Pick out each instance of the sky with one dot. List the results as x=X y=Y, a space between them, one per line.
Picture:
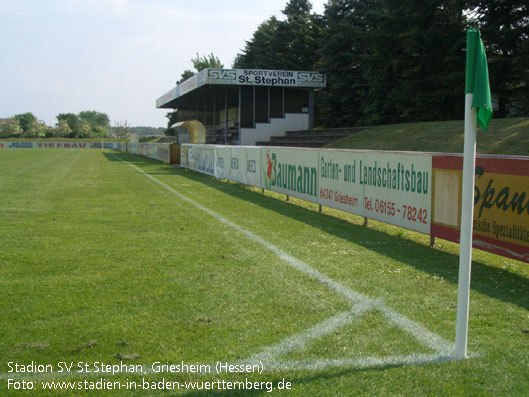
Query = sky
x=115 y=56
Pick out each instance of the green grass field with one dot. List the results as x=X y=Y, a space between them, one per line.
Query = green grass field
x=104 y=258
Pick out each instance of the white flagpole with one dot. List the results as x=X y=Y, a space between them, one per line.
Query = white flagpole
x=465 y=241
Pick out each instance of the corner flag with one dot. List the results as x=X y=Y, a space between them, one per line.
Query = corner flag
x=477 y=78
x=478 y=109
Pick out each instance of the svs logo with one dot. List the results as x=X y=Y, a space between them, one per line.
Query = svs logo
x=221 y=74
x=308 y=77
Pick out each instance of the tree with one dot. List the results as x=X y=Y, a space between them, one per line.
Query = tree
x=172 y=117
x=11 y=128
x=85 y=130
x=95 y=119
x=99 y=132
x=199 y=63
x=49 y=132
x=210 y=61
x=31 y=127
x=343 y=50
x=302 y=31
x=35 y=129
x=86 y=124
x=98 y=123
x=62 y=129
x=121 y=129
x=389 y=61
x=415 y=64
x=25 y=120
x=265 y=50
x=290 y=44
x=505 y=30
x=73 y=122
x=185 y=75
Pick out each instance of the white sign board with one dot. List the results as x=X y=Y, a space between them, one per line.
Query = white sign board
x=238 y=164
x=201 y=158
x=222 y=162
x=290 y=171
x=269 y=78
x=390 y=187
x=253 y=166
x=393 y=188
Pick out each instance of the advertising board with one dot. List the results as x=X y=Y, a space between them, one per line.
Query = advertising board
x=390 y=187
x=222 y=162
x=290 y=171
x=253 y=166
x=201 y=158
x=238 y=164
x=501 y=203
x=416 y=191
x=57 y=145
x=261 y=77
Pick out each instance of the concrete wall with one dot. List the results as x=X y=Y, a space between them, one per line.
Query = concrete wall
x=277 y=127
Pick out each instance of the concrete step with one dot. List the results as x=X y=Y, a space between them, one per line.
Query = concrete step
x=294 y=143
x=342 y=132
x=310 y=138
x=314 y=137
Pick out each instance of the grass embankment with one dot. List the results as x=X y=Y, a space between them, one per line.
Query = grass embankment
x=504 y=136
x=100 y=264
x=156 y=139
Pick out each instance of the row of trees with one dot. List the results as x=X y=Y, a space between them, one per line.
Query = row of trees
x=86 y=124
x=391 y=61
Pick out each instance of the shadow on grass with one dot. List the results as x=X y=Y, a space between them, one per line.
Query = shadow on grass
x=422 y=257
x=115 y=155
x=294 y=380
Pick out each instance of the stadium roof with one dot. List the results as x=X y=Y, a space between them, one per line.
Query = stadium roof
x=206 y=83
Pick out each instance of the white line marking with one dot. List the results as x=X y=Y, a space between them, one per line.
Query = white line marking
x=359 y=362
x=271 y=354
x=428 y=338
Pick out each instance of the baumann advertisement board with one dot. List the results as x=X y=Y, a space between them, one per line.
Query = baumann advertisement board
x=290 y=171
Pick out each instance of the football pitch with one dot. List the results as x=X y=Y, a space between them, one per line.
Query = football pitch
x=121 y=275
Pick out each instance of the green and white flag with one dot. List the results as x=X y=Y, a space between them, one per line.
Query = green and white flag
x=478 y=110
x=477 y=78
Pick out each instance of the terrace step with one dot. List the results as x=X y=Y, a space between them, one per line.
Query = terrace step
x=310 y=138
